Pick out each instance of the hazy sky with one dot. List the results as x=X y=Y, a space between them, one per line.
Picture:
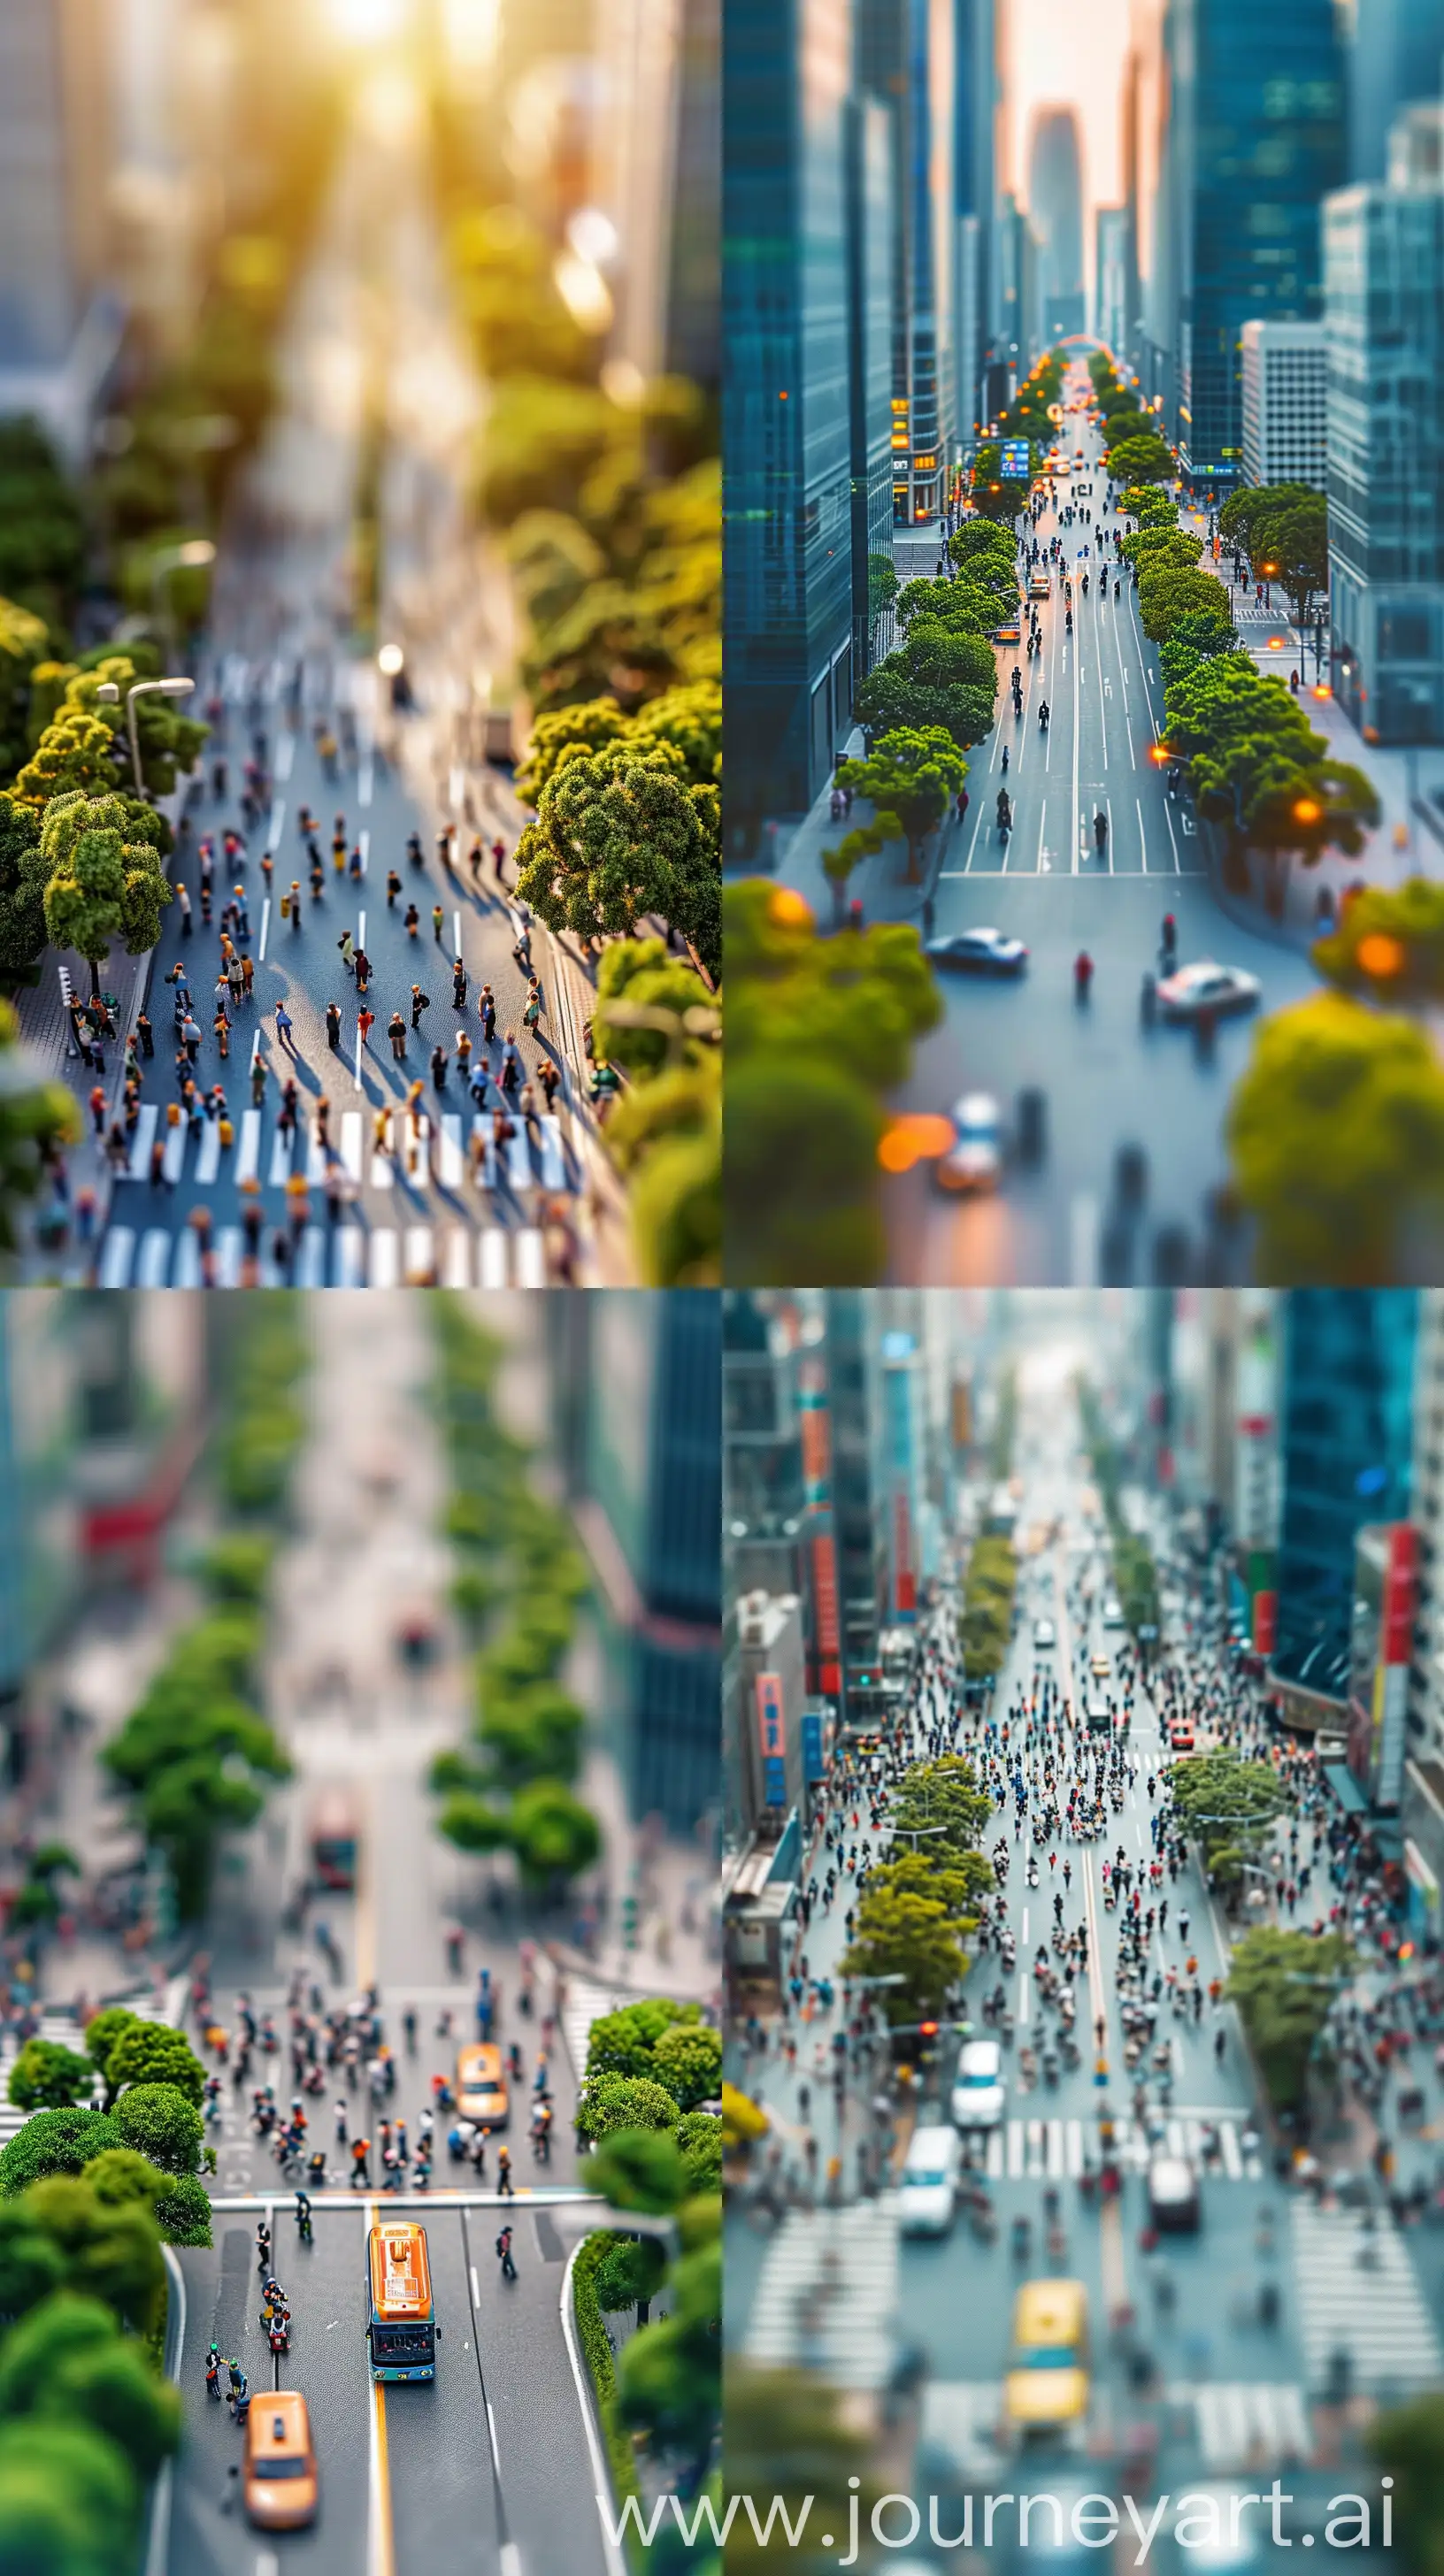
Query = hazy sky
x=1068 y=51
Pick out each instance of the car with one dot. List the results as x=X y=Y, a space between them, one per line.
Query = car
x=1039 y=586
x=974 y=1160
x=481 y=2093
x=981 y=952
x=1099 y=1714
x=1207 y=986
x=928 y=2186
x=1112 y=1613
x=1181 y=1739
x=1100 y=1667
x=1172 y=2193
x=1045 y=1635
x=279 y=2485
x=1010 y=632
x=1046 y=2386
x=980 y=2091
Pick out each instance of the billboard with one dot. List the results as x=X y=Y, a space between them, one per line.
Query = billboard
x=1016 y=461
x=772 y=1738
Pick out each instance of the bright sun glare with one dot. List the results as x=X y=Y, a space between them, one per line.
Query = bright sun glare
x=369 y=22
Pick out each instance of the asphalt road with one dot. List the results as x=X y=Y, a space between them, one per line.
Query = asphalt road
x=1108 y=1080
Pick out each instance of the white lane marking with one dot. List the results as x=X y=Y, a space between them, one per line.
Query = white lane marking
x=276 y=825
x=364 y=779
x=265 y=928
x=1142 y=842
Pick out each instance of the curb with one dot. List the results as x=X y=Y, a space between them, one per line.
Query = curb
x=157 y=2547
x=616 y=2563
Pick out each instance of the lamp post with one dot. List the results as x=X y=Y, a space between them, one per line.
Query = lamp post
x=193 y=555
x=108 y=691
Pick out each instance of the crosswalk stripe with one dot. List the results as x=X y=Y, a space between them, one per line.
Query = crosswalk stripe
x=351 y=1144
x=1373 y=2309
x=248 y=1162
x=493 y=1258
x=418 y=1255
x=1055 y=2149
x=317 y=1161
x=154 y=1263
x=385 y=1267
x=350 y=1257
x=208 y=1160
x=553 y=1165
x=1247 y=2423
x=230 y=1252
x=116 y=1257
x=416 y=1148
x=138 y=1168
x=1232 y=2155
x=456 y=1262
x=451 y=1162
x=281 y=1144
x=311 y=1258
x=382 y=1172
x=173 y=1159
x=187 y=1270
x=845 y=2331
x=531 y=1269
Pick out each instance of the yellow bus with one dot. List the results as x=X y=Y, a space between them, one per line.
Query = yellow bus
x=401 y=2328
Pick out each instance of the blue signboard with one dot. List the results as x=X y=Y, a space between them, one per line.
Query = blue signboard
x=1016 y=461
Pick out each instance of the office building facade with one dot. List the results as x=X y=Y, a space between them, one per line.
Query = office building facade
x=870 y=183
x=1055 y=205
x=1110 y=279
x=1285 y=402
x=1384 y=278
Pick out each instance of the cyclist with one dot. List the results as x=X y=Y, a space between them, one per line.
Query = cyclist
x=1100 y=829
x=213 y=2371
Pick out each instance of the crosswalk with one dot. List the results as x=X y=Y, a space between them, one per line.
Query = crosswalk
x=1359 y=2294
x=1237 y=2425
x=414 y=1151
x=828 y=2293
x=346 y=1256
x=1058 y=2150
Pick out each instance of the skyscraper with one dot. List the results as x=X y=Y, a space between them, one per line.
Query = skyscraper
x=974 y=181
x=1384 y=324
x=870 y=181
x=59 y=329
x=906 y=56
x=1055 y=203
x=1396 y=57
x=787 y=491
x=1253 y=140
x=1110 y=278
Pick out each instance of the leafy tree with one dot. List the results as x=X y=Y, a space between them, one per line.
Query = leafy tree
x=76 y=755
x=1297 y=539
x=955 y=1880
x=69 y=2503
x=66 y=2360
x=624 y=2041
x=1140 y=459
x=180 y=2203
x=699 y=2135
x=1159 y=542
x=818 y=1032
x=103 y=2032
x=992 y=496
x=22 y=886
x=1221 y=1798
x=1246 y=513
x=1172 y=592
x=669 y=2377
x=105 y=879
x=24 y=643
x=150 y=2052
x=169 y=740
x=42 y=530
x=642 y=975
x=54 y=2142
x=36 y=1118
x=910 y=1937
x=236 y=1567
x=552 y=1834
x=786 y=2433
x=968 y=605
x=616 y=837
x=688 y=2060
x=988 y=556
x=194 y=1754
x=610 y=2102
x=912 y=772
x=631 y=2274
x=1407 y=2443
x=939 y=678
x=474 y=1824
x=112 y=2251
x=1389 y=944
x=160 y=2124
x=944 y=1792
x=1284 y=1983
x=1336 y=1134
x=640 y=2169
x=31 y=2263
x=47 y=2077
x=881 y=585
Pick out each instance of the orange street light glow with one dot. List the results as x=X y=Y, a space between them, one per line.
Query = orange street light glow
x=1380 y=956
x=1307 y=810
x=788 y=909
x=914 y=1138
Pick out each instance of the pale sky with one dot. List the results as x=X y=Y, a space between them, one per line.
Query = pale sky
x=1070 y=53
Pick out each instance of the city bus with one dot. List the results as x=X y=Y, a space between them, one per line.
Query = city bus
x=401 y=2328
x=333 y=1838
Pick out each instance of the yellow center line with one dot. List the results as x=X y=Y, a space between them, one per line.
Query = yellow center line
x=381 y=2538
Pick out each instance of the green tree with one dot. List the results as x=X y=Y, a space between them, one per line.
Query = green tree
x=169 y=741
x=69 y=2504
x=553 y=1836
x=42 y=529
x=54 y=2142
x=881 y=585
x=609 y=2102
x=786 y=2433
x=180 y=2203
x=669 y=2375
x=65 y=2360
x=969 y=605
x=1284 y=1983
x=76 y=755
x=1221 y=1798
x=1336 y=1134
x=160 y=2123
x=639 y=2169
x=617 y=837
x=36 y=1118
x=103 y=2032
x=47 y=2077
x=939 y=679
x=912 y=772
x=535 y=1734
x=236 y=1567
x=688 y=2060
x=1389 y=944
x=631 y=2274
x=150 y=2052
x=1407 y=2444
x=624 y=2042
x=987 y=555
x=1170 y=593
x=1297 y=539
x=641 y=975
x=1140 y=459
x=24 y=644
x=105 y=879
x=699 y=2135
x=194 y=1753
x=22 y=886
x=932 y=1869
x=944 y=1792
x=994 y=497
x=474 y=1824
x=911 y=1938
x=112 y=2251
x=31 y=2263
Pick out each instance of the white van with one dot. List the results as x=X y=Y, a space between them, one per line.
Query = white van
x=980 y=2093
x=927 y=2194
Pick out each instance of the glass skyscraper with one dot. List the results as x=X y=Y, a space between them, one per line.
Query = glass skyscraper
x=1255 y=141
x=1346 y=1440
x=787 y=489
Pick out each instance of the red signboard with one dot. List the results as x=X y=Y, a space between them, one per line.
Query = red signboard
x=1396 y=1634
x=824 y=1594
x=813 y=1426
x=1265 y=1621
x=905 y=1595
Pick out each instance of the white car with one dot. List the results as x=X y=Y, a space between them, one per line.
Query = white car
x=928 y=2190
x=979 y=952
x=1112 y=1613
x=980 y=2093
x=1207 y=986
x=973 y=1162
x=1045 y=1636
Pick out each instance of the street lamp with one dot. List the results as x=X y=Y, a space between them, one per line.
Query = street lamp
x=109 y=692
x=191 y=556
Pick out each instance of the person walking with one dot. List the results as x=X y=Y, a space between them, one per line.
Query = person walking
x=284 y=1028
x=419 y=1002
x=365 y=1023
x=333 y=1028
x=458 y=984
x=504 y=2255
x=437 y=918
x=361 y=2163
x=439 y=1061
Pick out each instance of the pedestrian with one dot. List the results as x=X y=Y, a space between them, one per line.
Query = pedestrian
x=363 y=970
x=348 y=951
x=487 y=1007
x=182 y=897
x=333 y=1028
x=532 y=1006
x=222 y=1028
x=419 y=1002
x=97 y=1109
x=393 y=888
x=248 y=975
x=396 y=1031
x=458 y=985
x=145 y=1033
x=361 y=2163
x=504 y=2255
x=437 y=918
x=438 y=1067
x=365 y=1023
x=283 y=1027
x=412 y=921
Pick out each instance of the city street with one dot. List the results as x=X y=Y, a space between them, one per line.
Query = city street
x=1187 y=2369
x=444 y=1190
x=1109 y=1081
